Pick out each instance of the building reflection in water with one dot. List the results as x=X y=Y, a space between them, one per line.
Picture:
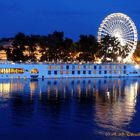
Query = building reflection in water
x=9 y=86
x=113 y=99
x=115 y=107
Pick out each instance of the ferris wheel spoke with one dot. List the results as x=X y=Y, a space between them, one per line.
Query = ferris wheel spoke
x=129 y=44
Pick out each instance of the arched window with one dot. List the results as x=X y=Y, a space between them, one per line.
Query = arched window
x=34 y=71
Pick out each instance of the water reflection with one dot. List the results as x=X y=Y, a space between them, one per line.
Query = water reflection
x=114 y=111
x=100 y=104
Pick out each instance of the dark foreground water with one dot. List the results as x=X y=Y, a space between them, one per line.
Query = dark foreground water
x=70 y=109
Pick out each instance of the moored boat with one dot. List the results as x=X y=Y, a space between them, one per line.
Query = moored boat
x=64 y=70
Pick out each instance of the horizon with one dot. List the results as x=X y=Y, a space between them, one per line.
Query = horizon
x=72 y=17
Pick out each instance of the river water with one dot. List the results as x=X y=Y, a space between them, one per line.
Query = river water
x=70 y=109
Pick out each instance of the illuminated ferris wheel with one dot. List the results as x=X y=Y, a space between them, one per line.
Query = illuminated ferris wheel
x=122 y=27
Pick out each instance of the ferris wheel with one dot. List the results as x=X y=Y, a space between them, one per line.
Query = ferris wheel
x=122 y=27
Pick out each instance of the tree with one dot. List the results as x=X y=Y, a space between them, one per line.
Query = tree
x=111 y=49
x=137 y=53
x=88 y=46
x=19 y=46
x=55 y=45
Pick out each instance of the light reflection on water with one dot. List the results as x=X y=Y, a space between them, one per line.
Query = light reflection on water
x=83 y=108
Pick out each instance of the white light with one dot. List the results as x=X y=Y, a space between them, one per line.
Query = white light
x=137 y=66
x=119 y=59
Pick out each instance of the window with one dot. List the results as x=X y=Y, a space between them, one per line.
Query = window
x=89 y=72
x=95 y=67
x=73 y=67
x=100 y=72
x=94 y=71
x=110 y=72
x=12 y=71
x=105 y=72
x=120 y=67
x=34 y=71
x=100 y=67
x=124 y=67
x=124 y=71
x=78 y=66
x=20 y=70
x=55 y=67
x=105 y=67
x=55 y=72
x=61 y=67
x=67 y=72
x=73 y=72
x=67 y=67
x=78 y=71
x=90 y=67
x=84 y=72
x=110 y=67
x=84 y=66
x=49 y=67
x=49 y=72
x=115 y=67
x=119 y=71
x=115 y=72
x=61 y=72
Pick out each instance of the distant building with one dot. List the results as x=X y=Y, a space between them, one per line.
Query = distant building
x=4 y=44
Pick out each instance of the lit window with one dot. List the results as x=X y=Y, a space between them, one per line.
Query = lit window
x=114 y=67
x=14 y=71
x=119 y=71
x=94 y=71
x=90 y=67
x=61 y=67
x=78 y=66
x=110 y=67
x=61 y=72
x=33 y=71
x=49 y=67
x=55 y=67
x=67 y=72
x=105 y=67
x=20 y=70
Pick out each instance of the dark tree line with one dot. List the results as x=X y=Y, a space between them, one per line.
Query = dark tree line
x=55 y=46
x=52 y=47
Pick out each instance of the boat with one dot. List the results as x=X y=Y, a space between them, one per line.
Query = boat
x=65 y=70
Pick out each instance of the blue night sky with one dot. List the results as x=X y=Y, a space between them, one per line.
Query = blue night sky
x=74 y=17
